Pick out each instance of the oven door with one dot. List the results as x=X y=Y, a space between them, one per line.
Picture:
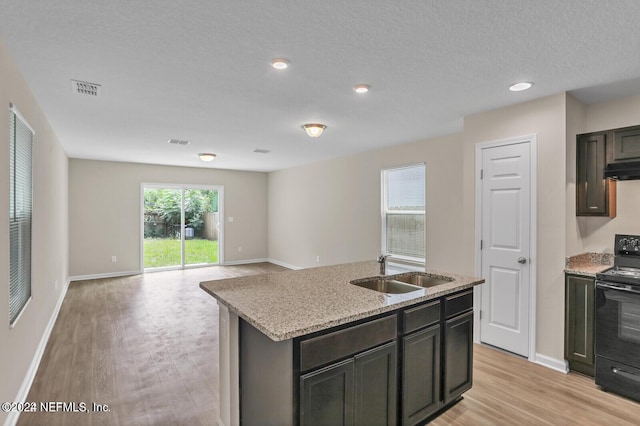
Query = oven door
x=618 y=338
x=618 y=322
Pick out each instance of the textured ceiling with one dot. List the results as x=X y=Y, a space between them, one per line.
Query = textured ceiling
x=200 y=70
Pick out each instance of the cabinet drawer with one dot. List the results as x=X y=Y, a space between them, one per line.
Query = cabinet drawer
x=458 y=303
x=330 y=347
x=421 y=316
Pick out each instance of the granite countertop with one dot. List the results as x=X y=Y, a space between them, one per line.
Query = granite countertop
x=588 y=264
x=289 y=304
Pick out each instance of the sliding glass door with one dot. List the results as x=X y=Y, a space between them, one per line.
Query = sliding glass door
x=181 y=226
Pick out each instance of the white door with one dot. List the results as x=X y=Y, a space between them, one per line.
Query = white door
x=506 y=201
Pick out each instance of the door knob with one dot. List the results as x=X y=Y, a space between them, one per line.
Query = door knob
x=522 y=260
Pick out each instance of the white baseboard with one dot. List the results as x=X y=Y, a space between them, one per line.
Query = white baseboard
x=244 y=262
x=23 y=392
x=553 y=363
x=284 y=265
x=248 y=261
x=106 y=275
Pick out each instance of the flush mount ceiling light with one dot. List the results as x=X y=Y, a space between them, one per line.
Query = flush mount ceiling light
x=519 y=87
x=361 y=88
x=280 y=63
x=207 y=157
x=314 y=129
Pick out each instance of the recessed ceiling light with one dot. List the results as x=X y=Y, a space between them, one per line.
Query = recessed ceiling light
x=207 y=157
x=361 y=88
x=519 y=87
x=280 y=63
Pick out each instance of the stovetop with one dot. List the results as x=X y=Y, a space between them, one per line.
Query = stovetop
x=626 y=263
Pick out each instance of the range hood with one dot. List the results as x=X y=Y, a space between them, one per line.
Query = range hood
x=628 y=170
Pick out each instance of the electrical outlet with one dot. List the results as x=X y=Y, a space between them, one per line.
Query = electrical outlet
x=318 y=259
x=114 y=259
x=55 y=285
x=239 y=249
x=230 y=218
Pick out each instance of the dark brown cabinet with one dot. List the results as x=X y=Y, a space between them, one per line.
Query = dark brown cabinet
x=327 y=395
x=458 y=345
x=375 y=386
x=626 y=144
x=360 y=391
x=579 y=322
x=421 y=375
x=458 y=356
x=595 y=195
x=359 y=384
x=399 y=368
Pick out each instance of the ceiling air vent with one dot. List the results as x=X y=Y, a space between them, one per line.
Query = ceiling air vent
x=261 y=151
x=178 y=142
x=84 y=88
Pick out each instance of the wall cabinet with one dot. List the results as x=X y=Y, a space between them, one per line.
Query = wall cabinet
x=579 y=323
x=626 y=144
x=595 y=195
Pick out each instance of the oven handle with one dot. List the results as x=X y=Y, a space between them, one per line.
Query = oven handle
x=625 y=374
x=602 y=284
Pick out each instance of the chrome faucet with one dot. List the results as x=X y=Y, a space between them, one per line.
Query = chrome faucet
x=382 y=260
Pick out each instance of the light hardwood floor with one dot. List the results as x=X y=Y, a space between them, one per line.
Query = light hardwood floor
x=147 y=346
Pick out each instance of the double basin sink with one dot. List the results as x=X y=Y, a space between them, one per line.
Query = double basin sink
x=402 y=283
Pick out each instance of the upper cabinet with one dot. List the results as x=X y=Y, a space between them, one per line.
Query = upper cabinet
x=626 y=144
x=595 y=195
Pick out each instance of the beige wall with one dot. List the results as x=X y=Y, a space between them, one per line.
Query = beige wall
x=595 y=234
x=546 y=119
x=50 y=232
x=104 y=212
x=331 y=209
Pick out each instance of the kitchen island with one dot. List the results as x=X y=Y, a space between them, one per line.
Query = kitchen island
x=289 y=338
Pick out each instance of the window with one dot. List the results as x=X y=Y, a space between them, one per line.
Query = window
x=20 y=197
x=403 y=212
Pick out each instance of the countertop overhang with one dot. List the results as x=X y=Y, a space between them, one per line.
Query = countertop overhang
x=290 y=304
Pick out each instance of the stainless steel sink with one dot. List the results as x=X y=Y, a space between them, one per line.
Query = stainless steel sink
x=421 y=279
x=386 y=285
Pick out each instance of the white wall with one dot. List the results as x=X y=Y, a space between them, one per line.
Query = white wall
x=331 y=209
x=105 y=209
x=50 y=232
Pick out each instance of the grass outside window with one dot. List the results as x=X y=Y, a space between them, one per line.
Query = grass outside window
x=161 y=252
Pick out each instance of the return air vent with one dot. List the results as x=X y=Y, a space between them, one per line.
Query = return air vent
x=84 y=88
x=178 y=142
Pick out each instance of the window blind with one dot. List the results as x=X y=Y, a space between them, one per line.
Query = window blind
x=404 y=212
x=20 y=212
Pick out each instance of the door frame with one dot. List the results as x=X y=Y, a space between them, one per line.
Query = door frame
x=533 y=232
x=218 y=188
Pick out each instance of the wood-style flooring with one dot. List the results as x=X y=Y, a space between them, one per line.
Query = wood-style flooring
x=147 y=347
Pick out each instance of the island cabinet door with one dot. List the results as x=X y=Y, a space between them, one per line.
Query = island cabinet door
x=421 y=375
x=376 y=386
x=327 y=395
x=458 y=356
